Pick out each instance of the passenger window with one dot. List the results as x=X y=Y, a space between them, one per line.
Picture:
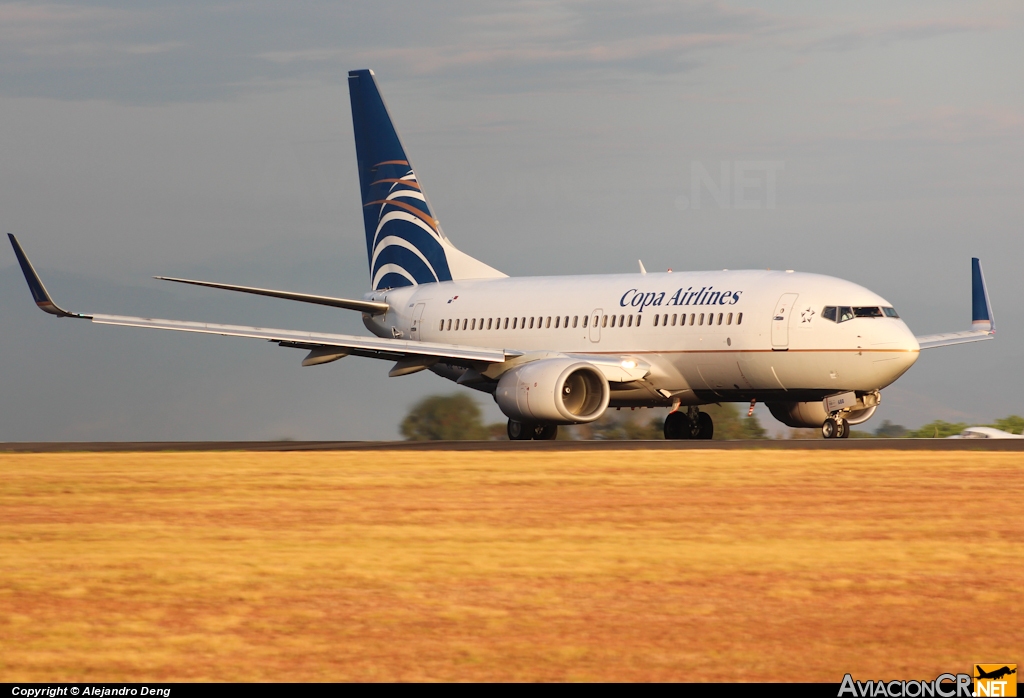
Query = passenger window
x=473 y=326
x=522 y=324
x=506 y=324
x=566 y=323
x=531 y=323
x=664 y=319
x=604 y=321
x=673 y=319
x=845 y=313
x=655 y=320
x=728 y=320
x=489 y=321
x=829 y=313
x=621 y=319
x=890 y=312
x=548 y=323
x=720 y=315
x=556 y=322
x=585 y=318
x=638 y=319
x=701 y=321
x=629 y=321
x=481 y=323
x=449 y=324
x=739 y=319
x=693 y=316
x=576 y=319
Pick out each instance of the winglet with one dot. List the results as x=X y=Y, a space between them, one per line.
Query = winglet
x=981 y=309
x=39 y=293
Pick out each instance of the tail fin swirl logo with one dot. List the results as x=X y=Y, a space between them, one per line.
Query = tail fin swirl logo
x=406 y=247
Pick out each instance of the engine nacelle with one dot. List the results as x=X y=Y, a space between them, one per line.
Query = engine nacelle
x=553 y=391
x=812 y=414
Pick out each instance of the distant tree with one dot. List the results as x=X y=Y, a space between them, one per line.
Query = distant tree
x=937 y=430
x=888 y=430
x=730 y=425
x=444 y=418
x=1013 y=424
x=618 y=425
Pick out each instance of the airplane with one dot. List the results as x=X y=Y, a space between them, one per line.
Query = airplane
x=562 y=350
x=984 y=433
x=995 y=674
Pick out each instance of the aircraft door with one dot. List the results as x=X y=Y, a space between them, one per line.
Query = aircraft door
x=595 y=325
x=780 y=320
x=417 y=320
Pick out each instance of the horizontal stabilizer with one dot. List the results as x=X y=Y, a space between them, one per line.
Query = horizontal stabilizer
x=983 y=322
x=371 y=307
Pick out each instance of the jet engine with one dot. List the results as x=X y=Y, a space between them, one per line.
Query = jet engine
x=812 y=414
x=553 y=391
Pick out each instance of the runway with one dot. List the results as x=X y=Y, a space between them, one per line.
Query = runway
x=519 y=446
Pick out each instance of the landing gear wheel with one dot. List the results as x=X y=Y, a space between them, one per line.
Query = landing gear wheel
x=677 y=426
x=705 y=427
x=545 y=432
x=844 y=429
x=517 y=431
x=830 y=428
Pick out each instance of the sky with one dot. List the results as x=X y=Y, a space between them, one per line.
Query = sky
x=877 y=142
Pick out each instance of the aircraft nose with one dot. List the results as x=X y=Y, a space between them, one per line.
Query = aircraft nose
x=896 y=346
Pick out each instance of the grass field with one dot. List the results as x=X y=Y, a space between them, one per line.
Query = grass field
x=632 y=565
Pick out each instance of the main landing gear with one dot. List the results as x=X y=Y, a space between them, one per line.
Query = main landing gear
x=692 y=424
x=835 y=428
x=519 y=431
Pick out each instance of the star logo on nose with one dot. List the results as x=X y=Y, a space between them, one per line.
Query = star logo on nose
x=807 y=315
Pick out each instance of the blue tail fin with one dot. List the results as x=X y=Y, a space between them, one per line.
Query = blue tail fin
x=404 y=242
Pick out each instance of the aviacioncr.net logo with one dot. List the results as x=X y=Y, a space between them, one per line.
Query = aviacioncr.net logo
x=942 y=686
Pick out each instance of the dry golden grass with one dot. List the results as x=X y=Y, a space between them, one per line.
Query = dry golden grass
x=728 y=565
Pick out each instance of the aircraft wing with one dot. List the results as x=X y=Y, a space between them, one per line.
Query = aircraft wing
x=375 y=347
x=411 y=356
x=983 y=322
x=930 y=341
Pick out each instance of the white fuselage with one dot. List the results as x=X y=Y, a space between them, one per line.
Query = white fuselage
x=707 y=336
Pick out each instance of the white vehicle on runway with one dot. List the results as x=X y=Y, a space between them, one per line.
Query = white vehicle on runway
x=563 y=349
x=984 y=433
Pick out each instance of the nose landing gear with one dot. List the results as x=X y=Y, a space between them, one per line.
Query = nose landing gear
x=835 y=428
x=692 y=424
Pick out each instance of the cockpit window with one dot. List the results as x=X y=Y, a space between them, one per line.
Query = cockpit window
x=843 y=313
x=873 y=311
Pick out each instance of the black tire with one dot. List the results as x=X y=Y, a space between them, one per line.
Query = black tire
x=705 y=427
x=517 y=431
x=844 y=427
x=829 y=428
x=677 y=426
x=545 y=432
